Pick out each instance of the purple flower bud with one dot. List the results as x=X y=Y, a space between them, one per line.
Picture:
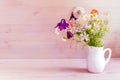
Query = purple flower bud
x=69 y=34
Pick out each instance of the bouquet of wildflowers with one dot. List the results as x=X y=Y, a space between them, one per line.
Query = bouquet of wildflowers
x=87 y=28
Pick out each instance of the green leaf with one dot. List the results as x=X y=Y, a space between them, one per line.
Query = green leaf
x=78 y=33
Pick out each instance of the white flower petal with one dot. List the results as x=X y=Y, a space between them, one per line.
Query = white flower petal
x=57 y=31
x=64 y=39
x=78 y=11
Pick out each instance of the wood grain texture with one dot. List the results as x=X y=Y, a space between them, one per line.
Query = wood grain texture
x=55 y=69
x=27 y=28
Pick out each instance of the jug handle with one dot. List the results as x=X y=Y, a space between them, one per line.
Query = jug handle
x=109 y=56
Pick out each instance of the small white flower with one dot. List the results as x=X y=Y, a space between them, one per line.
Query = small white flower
x=78 y=11
x=57 y=31
x=85 y=18
x=84 y=36
x=89 y=26
x=86 y=26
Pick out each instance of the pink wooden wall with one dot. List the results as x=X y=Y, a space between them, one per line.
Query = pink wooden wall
x=27 y=27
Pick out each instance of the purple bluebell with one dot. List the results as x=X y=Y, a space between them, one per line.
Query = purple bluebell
x=62 y=24
x=69 y=34
x=72 y=17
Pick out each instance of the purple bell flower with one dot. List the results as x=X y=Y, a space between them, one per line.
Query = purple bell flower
x=69 y=34
x=62 y=25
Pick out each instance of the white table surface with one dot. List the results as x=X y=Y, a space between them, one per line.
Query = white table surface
x=55 y=69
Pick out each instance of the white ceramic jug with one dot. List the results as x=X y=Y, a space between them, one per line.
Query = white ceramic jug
x=96 y=59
